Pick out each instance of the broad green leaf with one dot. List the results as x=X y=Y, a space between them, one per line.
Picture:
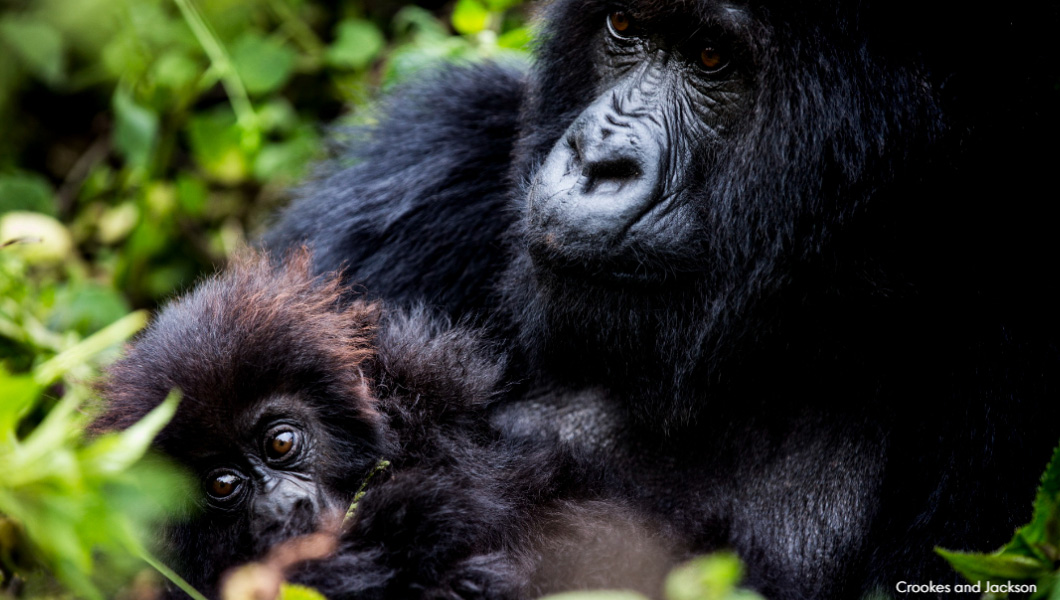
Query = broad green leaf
x=26 y=192
x=37 y=45
x=135 y=129
x=995 y=567
x=264 y=64
x=406 y=62
x=420 y=23
x=470 y=16
x=519 y=38
x=1043 y=528
x=86 y=307
x=191 y=195
x=712 y=577
x=175 y=70
x=217 y=144
x=286 y=161
x=277 y=115
x=357 y=43
x=117 y=222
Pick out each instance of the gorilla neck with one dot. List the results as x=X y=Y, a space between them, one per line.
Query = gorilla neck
x=676 y=352
x=584 y=334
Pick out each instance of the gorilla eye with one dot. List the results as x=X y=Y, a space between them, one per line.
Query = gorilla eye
x=281 y=443
x=619 y=24
x=712 y=59
x=224 y=485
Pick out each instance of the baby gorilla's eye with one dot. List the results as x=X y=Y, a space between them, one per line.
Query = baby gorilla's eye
x=281 y=443
x=224 y=485
x=620 y=24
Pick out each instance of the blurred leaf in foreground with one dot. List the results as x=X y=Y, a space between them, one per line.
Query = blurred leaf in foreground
x=29 y=192
x=85 y=507
x=357 y=43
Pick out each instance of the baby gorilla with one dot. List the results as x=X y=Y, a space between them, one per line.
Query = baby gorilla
x=290 y=397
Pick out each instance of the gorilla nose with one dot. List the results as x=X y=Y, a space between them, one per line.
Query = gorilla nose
x=596 y=184
x=606 y=156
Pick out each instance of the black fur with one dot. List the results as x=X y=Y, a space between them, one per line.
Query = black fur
x=457 y=514
x=853 y=361
x=426 y=226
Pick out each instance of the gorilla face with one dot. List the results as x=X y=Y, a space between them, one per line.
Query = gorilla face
x=713 y=153
x=616 y=196
x=262 y=479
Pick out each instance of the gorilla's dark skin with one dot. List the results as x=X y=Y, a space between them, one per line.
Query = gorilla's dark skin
x=799 y=301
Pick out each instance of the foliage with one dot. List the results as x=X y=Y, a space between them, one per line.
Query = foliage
x=1032 y=557
x=161 y=133
x=81 y=510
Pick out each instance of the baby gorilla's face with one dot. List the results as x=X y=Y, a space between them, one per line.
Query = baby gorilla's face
x=276 y=418
x=268 y=472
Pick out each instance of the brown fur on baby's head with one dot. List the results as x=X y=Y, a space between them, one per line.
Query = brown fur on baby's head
x=260 y=327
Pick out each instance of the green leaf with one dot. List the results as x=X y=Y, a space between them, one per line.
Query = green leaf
x=20 y=393
x=501 y=5
x=1043 y=528
x=995 y=567
x=217 y=145
x=115 y=452
x=135 y=129
x=470 y=16
x=37 y=45
x=175 y=70
x=519 y=38
x=278 y=116
x=405 y=62
x=712 y=577
x=46 y=373
x=597 y=595
x=26 y=192
x=290 y=591
x=357 y=43
x=420 y=23
x=286 y=161
x=264 y=64
x=191 y=195
x=86 y=308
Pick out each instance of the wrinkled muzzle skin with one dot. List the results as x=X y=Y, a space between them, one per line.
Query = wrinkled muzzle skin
x=613 y=197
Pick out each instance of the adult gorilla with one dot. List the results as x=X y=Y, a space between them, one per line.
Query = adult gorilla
x=782 y=268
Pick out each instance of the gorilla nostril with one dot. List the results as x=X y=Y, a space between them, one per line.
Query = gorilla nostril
x=610 y=176
x=613 y=169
